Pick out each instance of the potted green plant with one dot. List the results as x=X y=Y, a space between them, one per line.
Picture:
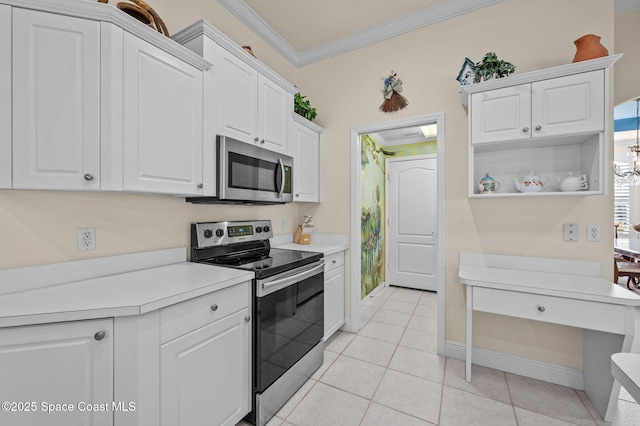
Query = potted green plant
x=302 y=106
x=491 y=67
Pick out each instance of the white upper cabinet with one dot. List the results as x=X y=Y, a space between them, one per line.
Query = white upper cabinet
x=551 y=123
x=568 y=105
x=305 y=149
x=275 y=106
x=501 y=114
x=56 y=101
x=251 y=108
x=237 y=97
x=5 y=96
x=558 y=106
x=254 y=104
x=162 y=121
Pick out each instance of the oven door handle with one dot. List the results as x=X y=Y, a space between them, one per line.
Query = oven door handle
x=283 y=282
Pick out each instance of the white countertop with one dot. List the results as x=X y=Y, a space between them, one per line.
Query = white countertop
x=554 y=277
x=324 y=243
x=132 y=292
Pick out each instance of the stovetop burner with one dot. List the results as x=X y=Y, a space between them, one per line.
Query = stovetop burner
x=244 y=245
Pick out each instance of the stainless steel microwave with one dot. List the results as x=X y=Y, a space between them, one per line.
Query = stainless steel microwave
x=249 y=174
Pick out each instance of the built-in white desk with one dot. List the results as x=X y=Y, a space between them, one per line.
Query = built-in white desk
x=559 y=291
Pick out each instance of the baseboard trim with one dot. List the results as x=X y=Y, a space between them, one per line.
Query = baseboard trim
x=552 y=373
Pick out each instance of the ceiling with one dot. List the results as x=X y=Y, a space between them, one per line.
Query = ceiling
x=307 y=31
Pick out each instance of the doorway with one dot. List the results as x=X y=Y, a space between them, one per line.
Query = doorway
x=356 y=211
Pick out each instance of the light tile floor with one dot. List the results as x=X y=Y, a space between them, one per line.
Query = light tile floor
x=390 y=374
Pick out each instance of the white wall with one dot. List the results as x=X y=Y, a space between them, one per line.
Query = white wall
x=347 y=91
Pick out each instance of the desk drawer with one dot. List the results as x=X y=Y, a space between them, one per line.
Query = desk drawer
x=181 y=318
x=333 y=261
x=577 y=313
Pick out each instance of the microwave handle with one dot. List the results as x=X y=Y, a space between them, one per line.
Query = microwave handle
x=282 y=178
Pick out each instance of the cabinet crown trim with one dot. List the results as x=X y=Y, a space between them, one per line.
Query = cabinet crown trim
x=307 y=123
x=202 y=27
x=545 y=74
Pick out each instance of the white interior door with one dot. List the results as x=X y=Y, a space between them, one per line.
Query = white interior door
x=412 y=222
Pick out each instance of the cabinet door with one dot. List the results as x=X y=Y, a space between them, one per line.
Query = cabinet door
x=56 y=101
x=567 y=105
x=5 y=96
x=59 y=363
x=162 y=121
x=306 y=164
x=237 y=96
x=275 y=106
x=501 y=114
x=205 y=375
x=333 y=301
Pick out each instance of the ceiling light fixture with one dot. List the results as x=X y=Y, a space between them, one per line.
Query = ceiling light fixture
x=631 y=177
x=430 y=130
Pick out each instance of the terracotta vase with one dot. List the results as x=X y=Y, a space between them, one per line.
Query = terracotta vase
x=589 y=47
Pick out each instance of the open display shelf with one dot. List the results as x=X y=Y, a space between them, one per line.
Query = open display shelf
x=553 y=122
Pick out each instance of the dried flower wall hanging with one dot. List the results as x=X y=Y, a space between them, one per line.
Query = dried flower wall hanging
x=393 y=100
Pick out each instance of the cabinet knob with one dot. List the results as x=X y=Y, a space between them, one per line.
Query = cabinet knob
x=538 y=127
x=541 y=308
x=262 y=141
x=333 y=261
x=88 y=177
x=214 y=307
x=200 y=186
x=99 y=335
x=525 y=130
x=297 y=195
x=247 y=318
x=256 y=139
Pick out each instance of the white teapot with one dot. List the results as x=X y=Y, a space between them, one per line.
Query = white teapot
x=574 y=183
x=532 y=183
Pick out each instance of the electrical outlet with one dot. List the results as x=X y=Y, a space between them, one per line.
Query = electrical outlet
x=283 y=224
x=570 y=231
x=593 y=233
x=86 y=239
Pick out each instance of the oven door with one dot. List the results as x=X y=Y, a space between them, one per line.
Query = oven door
x=252 y=173
x=289 y=320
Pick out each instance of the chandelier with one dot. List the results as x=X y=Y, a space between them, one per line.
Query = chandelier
x=632 y=176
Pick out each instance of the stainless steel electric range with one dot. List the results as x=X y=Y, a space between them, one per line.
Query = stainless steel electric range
x=288 y=306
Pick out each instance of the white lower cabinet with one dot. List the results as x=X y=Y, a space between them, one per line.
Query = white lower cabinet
x=205 y=376
x=57 y=374
x=334 y=283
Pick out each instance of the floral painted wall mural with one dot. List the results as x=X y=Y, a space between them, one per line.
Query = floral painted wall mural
x=372 y=217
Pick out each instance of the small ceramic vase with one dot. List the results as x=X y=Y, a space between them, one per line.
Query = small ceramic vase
x=589 y=47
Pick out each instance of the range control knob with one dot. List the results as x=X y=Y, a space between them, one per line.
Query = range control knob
x=208 y=233
x=219 y=232
x=258 y=229
x=266 y=228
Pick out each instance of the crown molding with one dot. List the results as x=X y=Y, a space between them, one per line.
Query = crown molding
x=624 y=6
x=440 y=12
